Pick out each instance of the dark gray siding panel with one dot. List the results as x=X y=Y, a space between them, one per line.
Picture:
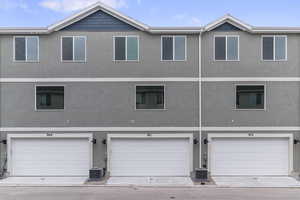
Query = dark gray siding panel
x=100 y=21
x=227 y=27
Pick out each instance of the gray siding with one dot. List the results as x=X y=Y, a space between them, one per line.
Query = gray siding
x=250 y=64
x=99 y=21
x=282 y=105
x=99 y=105
x=99 y=58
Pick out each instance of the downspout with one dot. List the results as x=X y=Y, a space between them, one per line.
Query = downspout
x=200 y=100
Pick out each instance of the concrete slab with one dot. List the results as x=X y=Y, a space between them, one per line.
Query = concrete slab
x=256 y=182
x=150 y=181
x=30 y=181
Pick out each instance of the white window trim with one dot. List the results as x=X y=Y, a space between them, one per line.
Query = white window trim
x=290 y=137
x=73 y=39
x=126 y=58
x=247 y=109
x=49 y=110
x=226 y=53
x=26 y=56
x=274 y=48
x=173 y=39
x=150 y=136
x=88 y=136
x=163 y=109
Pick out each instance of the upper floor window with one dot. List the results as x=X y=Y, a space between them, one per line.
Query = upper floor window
x=227 y=48
x=250 y=97
x=173 y=48
x=49 y=97
x=73 y=48
x=274 y=48
x=150 y=97
x=26 y=48
x=126 y=48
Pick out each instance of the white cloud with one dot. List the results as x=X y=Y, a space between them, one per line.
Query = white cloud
x=72 y=5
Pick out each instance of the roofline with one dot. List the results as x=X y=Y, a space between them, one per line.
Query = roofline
x=143 y=27
x=229 y=19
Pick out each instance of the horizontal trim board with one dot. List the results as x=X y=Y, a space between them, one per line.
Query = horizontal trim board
x=159 y=79
x=249 y=79
x=253 y=128
x=153 y=129
x=45 y=80
x=93 y=129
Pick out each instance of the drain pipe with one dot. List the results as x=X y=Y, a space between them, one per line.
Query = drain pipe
x=200 y=97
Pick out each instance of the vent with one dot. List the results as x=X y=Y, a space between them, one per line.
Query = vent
x=96 y=174
x=201 y=174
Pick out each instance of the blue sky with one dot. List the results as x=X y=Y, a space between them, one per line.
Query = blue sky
x=39 y=13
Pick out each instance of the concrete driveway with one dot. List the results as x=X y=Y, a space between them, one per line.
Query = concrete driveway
x=146 y=193
x=43 y=181
x=263 y=182
x=150 y=181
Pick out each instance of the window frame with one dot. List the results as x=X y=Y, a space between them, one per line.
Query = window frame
x=173 y=59
x=226 y=53
x=48 y=110
x=26 y=56
x=156 y=109
x=73 y=51
x=138 y=48
x=249 y=84
x=274 y=48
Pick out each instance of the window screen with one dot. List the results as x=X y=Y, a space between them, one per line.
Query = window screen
x=227 y=48
x=268 y=48
x=67 y=48
x=73 y=48
x=250 y=97
x=132 y=48
x=149 y=97
x=280 y=48
x=232 y=48
x=49 y=97
x=179 y=48
x=274 y=47
x=26 y=48
x=220 y=48
x=167 y=48
x=20 y=49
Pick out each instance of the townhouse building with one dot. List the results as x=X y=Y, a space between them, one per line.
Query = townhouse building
x=100 y=89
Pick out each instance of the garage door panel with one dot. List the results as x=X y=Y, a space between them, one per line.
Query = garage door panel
x=149 y=157
x=50 y=157
x=244 y=156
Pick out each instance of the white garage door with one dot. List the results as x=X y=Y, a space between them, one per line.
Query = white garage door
x=150 y=157
x=244 y=156
x=50 y=157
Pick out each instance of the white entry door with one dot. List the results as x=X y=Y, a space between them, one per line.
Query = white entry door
x=249 y=156
x=150 y=157
x=50 y=157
